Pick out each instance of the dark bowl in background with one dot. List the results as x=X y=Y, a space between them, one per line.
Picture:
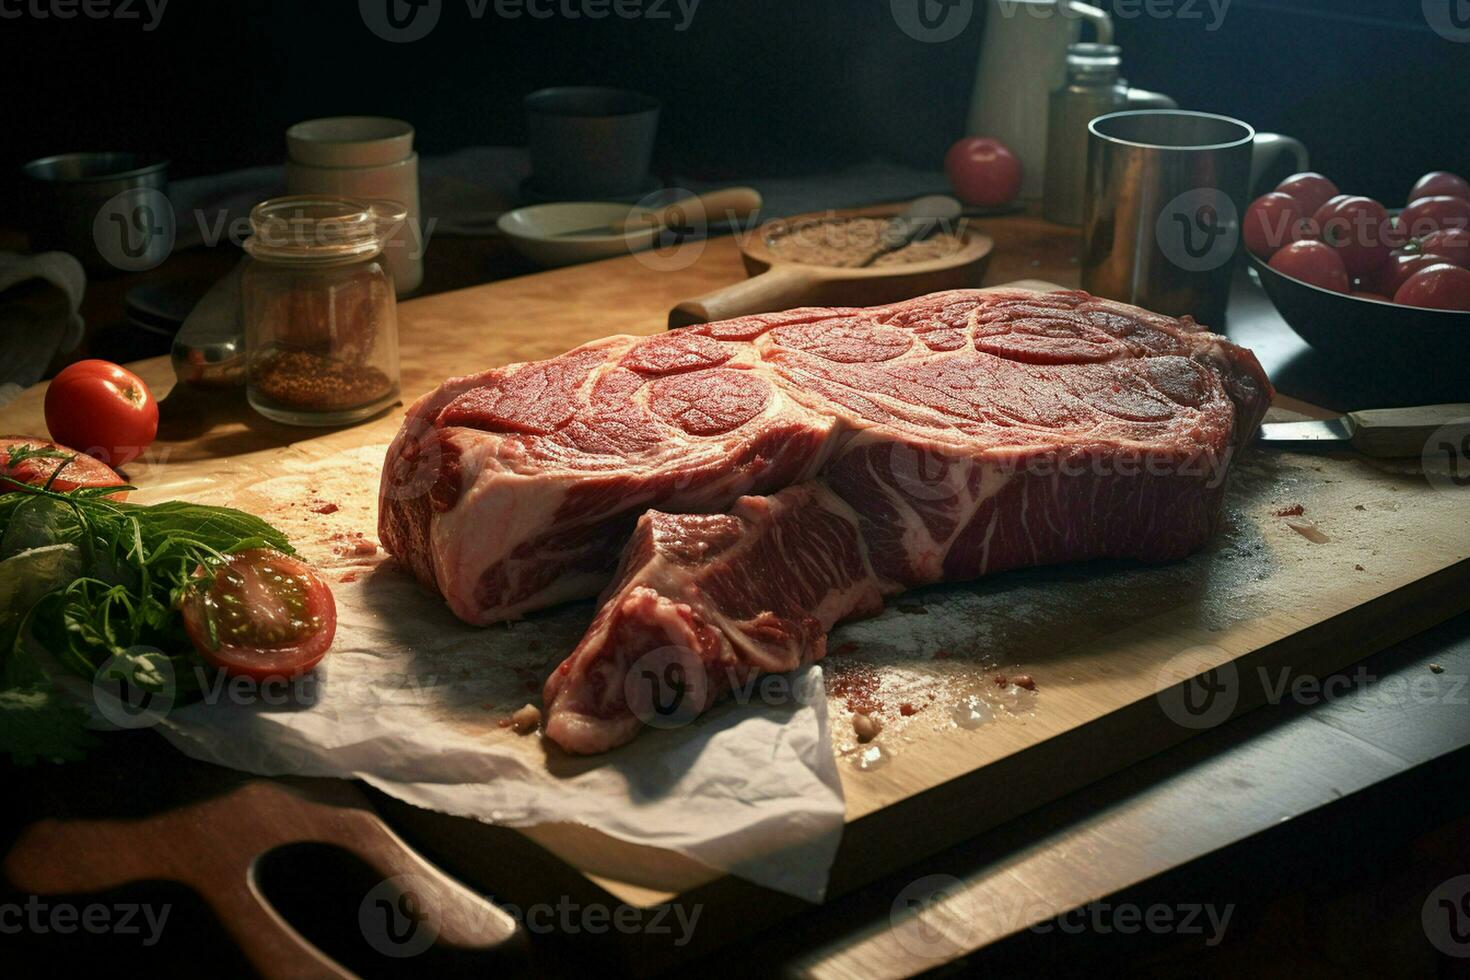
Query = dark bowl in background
x=590 y=143
x=1368 y=332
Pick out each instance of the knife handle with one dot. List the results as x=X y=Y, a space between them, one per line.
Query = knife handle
x=783 y=287
x=1396 y=433
x=728 y=204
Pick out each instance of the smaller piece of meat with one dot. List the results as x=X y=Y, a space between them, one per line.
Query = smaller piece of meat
x=704 y=603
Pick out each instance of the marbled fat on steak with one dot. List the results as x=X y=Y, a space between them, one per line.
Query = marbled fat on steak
x=766 y=477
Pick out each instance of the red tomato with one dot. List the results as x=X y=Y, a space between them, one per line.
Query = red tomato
x=1360 y=230
x=983 y=172
x=1313 y=226
x=1396 y=271
x=1450 y=244
x=1438 y=183
x=1272 y=220
x=82 y=471
x=260 y=614
x=105 y=409
x=1430 y=214
x=1314 y=263
x=1438 y=287
x=1311 y=190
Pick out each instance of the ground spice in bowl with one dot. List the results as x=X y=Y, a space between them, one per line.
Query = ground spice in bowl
x=852 y=242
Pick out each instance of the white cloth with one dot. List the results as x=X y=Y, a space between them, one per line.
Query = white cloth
x=34 y=329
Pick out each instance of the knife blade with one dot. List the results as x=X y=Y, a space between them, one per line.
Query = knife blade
x=1386 y=433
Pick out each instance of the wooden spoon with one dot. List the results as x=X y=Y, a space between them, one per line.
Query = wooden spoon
x=729 y=204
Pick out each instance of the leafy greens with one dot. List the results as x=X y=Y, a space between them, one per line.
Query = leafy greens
x=95 y=579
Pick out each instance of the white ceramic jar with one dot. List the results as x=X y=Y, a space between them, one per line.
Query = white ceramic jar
x=368 y=158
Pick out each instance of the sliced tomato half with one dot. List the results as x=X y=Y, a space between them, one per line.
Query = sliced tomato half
x=82 y=471
x=260 y=614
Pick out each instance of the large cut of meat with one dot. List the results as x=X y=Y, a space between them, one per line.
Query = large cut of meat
x=739 y=487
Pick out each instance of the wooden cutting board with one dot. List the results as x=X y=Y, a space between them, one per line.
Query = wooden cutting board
x=1101 y=641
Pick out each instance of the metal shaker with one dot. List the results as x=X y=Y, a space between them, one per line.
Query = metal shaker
x=1092 y=89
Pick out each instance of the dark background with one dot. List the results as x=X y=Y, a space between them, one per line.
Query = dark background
x=753 y=87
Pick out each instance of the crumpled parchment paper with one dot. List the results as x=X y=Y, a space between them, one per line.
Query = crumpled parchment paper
x=414 y=702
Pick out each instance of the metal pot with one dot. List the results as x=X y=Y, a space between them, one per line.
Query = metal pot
x=110 y=210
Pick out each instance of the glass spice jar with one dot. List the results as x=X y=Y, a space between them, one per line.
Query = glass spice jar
x=321 y=323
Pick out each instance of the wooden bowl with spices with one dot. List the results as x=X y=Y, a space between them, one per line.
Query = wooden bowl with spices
x=835 y=258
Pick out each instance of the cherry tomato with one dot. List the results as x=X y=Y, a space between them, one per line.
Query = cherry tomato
x=260 y=614
x=82 y=471
x=1313 y=226
x=1311 y=190
x=983 y=172
x=1396 y=271
x=1431 y=214
x=1438 y=287
x=1360 y=230
x=1450 y=244
x=106 y=410
x=1272 y=220
x=1438 y=183
x=1314 y=263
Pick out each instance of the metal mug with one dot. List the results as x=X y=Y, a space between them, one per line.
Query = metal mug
x=1166 y=189
x=111 y=210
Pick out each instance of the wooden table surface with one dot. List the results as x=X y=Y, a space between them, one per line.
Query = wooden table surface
x=1280 y=766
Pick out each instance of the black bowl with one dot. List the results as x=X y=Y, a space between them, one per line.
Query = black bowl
x=1369 y=331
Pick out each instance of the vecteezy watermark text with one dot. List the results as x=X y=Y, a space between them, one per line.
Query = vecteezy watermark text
x=937 y=917
x=1215 y=10
x=90 y=9
x=1201 y=686
x=137 y=229
x=1445 y=917
x=402 y=21
x=937 y=21
x=1450 y=19
x=400 y=917
x=669 y=687
x=40 y=917
x=571 y=918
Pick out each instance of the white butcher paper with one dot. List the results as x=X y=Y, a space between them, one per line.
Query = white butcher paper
x=410 y=701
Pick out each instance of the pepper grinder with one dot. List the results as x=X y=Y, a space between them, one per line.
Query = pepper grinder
x=1092 y=89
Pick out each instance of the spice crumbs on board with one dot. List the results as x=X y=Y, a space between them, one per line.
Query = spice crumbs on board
x=857 y=684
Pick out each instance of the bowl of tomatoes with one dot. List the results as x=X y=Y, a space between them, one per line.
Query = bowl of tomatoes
x=1355 y=279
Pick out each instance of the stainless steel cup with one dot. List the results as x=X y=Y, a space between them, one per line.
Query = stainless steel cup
x=110 y=210
x=1165 y=192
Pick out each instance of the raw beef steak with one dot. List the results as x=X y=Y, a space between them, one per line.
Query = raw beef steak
x=706 y=602
x=941 y=438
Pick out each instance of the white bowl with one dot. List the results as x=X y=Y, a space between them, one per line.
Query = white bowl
x=534 y=232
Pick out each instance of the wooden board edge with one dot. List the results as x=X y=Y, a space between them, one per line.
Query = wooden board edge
x=955 y=811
